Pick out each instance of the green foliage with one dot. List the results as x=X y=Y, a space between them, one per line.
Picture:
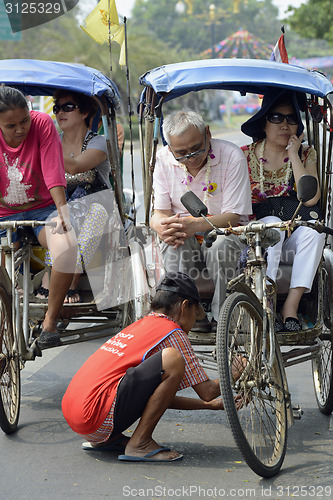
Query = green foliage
x=313 y=19
x=198 y=31
x=303 y=48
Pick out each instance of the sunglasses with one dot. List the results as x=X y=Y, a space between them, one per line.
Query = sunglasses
x=279 y=117
x=67 y=107
x=195 y=154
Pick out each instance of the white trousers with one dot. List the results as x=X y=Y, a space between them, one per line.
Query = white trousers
x=221 y=261
x=303 y=250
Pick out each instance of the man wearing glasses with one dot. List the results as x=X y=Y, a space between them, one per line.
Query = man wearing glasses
x=216 y=172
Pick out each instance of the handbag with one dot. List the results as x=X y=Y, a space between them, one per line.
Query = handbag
x=284 y=208
x=74 y=180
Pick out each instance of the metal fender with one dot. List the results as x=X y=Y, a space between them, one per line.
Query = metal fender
x=139 y=283
x=328 y=259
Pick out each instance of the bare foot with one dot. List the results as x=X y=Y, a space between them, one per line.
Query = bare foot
x=144 y=449
x=72 y=297
x=42 y=293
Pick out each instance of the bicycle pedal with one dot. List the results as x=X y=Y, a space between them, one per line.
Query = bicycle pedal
x=297 y=412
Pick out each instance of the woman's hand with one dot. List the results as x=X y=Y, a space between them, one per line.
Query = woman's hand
x=294 y=144
x=60 y=225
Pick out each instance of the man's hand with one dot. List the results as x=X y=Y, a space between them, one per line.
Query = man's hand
x=172 y=231
x=175 y=229
x=215 y=404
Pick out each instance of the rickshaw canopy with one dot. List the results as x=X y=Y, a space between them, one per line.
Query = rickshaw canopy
x=244 y=75
x=35 y=77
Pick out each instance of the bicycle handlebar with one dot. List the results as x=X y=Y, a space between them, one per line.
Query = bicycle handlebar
x=257 y=227
x=14 y=224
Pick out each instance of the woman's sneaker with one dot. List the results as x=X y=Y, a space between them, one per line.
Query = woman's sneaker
x=279 y=326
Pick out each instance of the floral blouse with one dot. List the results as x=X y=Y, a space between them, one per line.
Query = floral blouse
x=274 y=180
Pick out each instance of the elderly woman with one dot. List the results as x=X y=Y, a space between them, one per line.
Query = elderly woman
x=276 y=160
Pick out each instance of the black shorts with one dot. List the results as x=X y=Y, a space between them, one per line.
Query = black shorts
x=134 y=390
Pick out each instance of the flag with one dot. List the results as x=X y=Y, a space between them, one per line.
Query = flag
x=280 y=53
x=96 y=24
x=118 y=35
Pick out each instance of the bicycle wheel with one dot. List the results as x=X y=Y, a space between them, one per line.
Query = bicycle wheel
x=259 y=426
x=10 y=384
x=322 y=364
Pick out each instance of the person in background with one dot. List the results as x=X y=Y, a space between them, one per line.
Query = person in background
x=215 y=170
x=87 y=171
x=136 y=374
x=276 y=161
x=32 y=187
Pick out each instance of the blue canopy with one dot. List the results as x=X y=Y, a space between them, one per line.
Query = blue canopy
x=34 y=77
x=245 y=75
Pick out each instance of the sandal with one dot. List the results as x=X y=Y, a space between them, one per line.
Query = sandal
x=42 y=292
x=279 y=326
x=71 y=292
x=292 y=325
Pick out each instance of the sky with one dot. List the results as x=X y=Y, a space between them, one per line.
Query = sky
x=124 y=6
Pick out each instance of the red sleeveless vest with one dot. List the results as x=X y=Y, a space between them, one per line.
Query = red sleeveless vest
x=90 y=394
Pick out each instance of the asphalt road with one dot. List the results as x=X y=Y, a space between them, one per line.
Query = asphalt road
x=44 y=459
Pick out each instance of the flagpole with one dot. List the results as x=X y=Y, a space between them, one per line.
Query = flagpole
x=129 y=107
x=109 y=37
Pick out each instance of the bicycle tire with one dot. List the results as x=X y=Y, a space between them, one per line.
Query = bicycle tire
x=10 y=377
x=260 y=426
x=322 y=364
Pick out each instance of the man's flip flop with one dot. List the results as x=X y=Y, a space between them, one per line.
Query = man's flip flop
x=116 y=445
x=150 y=457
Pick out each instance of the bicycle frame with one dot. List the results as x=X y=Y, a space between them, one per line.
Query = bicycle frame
x=255 y=280
x=13 y=260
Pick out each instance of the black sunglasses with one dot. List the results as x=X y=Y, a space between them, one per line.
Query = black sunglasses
x=279 y=117
x=67 y=107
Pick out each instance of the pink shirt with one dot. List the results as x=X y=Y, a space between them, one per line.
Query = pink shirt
x=28 y=172
x=228 y=182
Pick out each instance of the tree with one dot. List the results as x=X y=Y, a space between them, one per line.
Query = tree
x=314 y=18
x=203 y=28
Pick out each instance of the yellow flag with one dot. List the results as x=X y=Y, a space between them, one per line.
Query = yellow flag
x=96 y=24
x=118 y=35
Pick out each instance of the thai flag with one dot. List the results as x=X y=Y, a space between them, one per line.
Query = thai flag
x=279 y=53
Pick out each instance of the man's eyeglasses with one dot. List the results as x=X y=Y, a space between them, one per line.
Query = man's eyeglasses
x=67 y=107
x=279 y=117
x=195 y=154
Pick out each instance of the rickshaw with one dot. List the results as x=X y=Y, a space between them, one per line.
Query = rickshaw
x=257 y=402
x=117 y=285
